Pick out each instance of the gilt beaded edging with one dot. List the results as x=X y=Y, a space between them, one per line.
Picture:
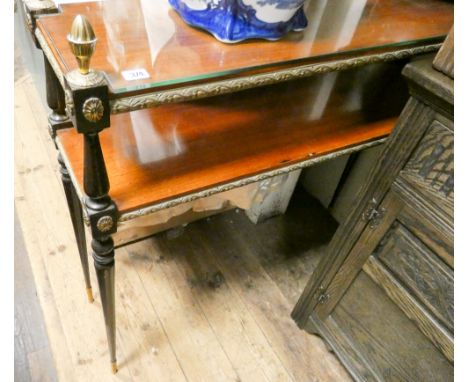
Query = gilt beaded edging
x=34 y=8
x=213 y=190
x=40 y=5
x=243 y=182
x=189 y=93
x=144 y=101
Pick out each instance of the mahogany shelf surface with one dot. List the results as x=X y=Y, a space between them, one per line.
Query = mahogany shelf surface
x=149 y=35
x=158 y=154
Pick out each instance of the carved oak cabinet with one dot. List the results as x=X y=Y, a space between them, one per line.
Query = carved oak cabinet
x=382 y=298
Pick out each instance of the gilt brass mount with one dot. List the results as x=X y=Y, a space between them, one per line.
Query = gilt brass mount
x=105 y=223
x=93 y=109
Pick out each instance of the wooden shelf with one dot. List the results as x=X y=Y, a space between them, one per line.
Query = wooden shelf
x=158 y=154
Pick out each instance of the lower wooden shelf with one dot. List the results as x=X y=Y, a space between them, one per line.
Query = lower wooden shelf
x=158 y=154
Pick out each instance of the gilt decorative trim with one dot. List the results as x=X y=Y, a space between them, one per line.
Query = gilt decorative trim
x=29 y=20
x=214 y=190
x=40 y=5
x=243 y=182
x=144 y=101
x=34 y=8
x=77 y=80
x=69 y=105
x=190 y=93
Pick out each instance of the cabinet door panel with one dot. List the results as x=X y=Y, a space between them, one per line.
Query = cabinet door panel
x=387 y=341
x=437 y=333
x=414 y=277
x=435 y=232
x=430 y=167
x=419 y=270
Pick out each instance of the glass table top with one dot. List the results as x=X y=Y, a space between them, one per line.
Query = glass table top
x=144 y=44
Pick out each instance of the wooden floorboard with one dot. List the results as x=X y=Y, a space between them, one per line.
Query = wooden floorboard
x=208 y=302
x=33 y=357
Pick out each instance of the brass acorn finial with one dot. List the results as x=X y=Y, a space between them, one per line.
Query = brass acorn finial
x=82 y=42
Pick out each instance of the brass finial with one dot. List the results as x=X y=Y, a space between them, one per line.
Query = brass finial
x=82 y=42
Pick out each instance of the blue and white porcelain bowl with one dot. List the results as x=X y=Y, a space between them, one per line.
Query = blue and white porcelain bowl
x=237 y=20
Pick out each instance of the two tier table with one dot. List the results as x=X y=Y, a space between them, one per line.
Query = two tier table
x=225 y=115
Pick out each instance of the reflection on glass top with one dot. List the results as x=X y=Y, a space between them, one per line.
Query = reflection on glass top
x=146 y=38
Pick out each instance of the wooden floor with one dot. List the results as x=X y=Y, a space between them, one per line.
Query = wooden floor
x=33 y=358
x=208 y=302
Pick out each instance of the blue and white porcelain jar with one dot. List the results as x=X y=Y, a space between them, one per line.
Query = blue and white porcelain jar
x=236 y=20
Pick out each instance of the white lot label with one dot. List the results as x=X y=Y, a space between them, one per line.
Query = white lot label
x=135 y=74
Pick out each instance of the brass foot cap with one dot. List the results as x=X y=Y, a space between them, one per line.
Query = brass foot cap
x=89 y=292
x=114 y=367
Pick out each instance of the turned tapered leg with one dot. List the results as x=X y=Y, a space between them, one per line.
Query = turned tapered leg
x=76 y=214
x=91 y=114
x=81 y=241
x=102 y=213
x=55 y=96
x=103 y=254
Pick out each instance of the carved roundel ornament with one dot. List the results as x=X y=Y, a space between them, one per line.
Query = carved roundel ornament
x=93 y=109
x=105 y=223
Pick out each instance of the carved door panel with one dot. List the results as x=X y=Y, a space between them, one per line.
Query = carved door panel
x=404 y=264
x=421 y=201
x=417 y=281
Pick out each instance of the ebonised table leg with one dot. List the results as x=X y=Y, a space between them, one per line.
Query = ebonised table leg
x=103 y=254
x=102 y=213
x=58 y=119
x=55 y=100
x=76 y=214
x=89 y=114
